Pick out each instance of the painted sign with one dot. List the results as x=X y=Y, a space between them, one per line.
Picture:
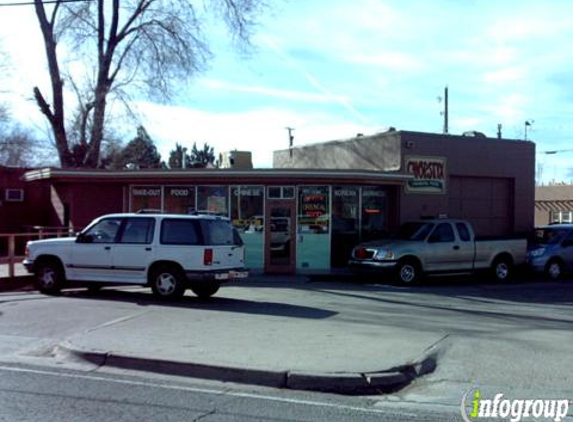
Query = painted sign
x=429 y=174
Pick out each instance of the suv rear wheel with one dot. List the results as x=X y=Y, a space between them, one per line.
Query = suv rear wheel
x=167 y=282
x=205 y=290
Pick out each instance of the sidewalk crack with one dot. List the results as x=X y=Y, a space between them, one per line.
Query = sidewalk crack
x=211 y=412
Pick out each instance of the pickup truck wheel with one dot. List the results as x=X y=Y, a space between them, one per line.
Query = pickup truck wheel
x=409 y=272
x=205 y=290
x=502 y=270
x=167 y=283
x=49 y=277
x=554 y=269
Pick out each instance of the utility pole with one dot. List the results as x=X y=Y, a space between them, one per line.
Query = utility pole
x=499 y=131
x=290 y=139
x=446 y=110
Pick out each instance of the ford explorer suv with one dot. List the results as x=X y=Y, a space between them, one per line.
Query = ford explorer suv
x=438 y=247
x=551 y=251
x=167 y=252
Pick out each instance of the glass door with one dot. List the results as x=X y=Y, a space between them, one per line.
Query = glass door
x=280 y=236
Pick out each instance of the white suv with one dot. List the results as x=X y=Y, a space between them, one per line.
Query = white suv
x=168 y=252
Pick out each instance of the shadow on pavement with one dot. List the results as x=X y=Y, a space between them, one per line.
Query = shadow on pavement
x=219 y=304
x=479 y=288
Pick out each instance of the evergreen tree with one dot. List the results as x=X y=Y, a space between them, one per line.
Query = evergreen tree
x=139 y=153
x=176 y=157
x=201 y=158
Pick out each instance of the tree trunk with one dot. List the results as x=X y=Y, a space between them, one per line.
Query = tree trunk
x=56 y=116
x=92 y=158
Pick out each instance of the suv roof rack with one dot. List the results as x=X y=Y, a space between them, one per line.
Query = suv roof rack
x=148 y=211
x=210 y=213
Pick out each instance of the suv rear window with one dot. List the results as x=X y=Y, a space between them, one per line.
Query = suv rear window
x=220 y=232
x=180 y=232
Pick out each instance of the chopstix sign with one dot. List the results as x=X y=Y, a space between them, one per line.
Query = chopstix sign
x=429 y=174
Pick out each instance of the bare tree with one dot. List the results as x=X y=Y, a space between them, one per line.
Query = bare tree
x=4 y=70
x=19 y=148
x=135 y=44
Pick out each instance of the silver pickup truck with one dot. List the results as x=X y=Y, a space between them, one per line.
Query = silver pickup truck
x=438 y=247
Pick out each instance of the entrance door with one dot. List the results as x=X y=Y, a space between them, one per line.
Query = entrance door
x=280 y=236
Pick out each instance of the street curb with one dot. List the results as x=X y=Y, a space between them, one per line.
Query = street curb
x=347 y=383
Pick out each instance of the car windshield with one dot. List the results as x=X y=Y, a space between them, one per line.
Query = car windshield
x=413 y=231
x=549 y=236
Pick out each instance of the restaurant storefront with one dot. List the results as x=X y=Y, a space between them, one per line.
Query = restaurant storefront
x=309 y=227
x=290 y=221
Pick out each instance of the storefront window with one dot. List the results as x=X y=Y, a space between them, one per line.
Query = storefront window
x=345 y=223
x=313 y=228
x=374 y=213
x=281 y=192
x=213 y=199
x=247 y=215
x=179 y=199
x=145 y=198
x=561 y=216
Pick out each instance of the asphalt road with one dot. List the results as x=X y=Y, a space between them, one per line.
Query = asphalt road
x=515 y=338
x=47 y=394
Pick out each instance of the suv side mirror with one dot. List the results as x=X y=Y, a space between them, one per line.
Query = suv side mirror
x=84 y=238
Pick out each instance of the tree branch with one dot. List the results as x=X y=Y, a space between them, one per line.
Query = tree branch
x=55 y=13
x=114 y=23
x=100 y=28
x=139 y=10
x=43 y=104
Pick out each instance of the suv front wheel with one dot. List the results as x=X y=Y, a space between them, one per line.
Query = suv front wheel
x=167 y=282
x=49 y=276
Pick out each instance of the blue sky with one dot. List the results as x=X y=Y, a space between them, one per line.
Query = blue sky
x=331 y=69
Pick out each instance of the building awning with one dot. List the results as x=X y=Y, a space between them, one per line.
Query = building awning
x=566 y=205
x=226 y=176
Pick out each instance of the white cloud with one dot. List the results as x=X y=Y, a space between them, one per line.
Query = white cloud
x=261 y=131
x=271 y=92
x=504 y=76
x=511 y=107
x=395 y=61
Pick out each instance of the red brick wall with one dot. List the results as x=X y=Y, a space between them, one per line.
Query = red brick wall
x=17 y=216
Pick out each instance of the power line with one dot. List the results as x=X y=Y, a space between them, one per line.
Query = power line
x=31 y=3
x=555 y=151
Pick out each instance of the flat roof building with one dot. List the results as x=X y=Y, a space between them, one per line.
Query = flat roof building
x=318 y=201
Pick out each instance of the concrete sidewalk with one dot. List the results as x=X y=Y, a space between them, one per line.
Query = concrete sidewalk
x=239 y=336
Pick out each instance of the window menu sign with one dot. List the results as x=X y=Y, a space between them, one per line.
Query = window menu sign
x=429 y=174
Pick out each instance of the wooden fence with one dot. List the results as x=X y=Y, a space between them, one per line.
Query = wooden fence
x=12 y=245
